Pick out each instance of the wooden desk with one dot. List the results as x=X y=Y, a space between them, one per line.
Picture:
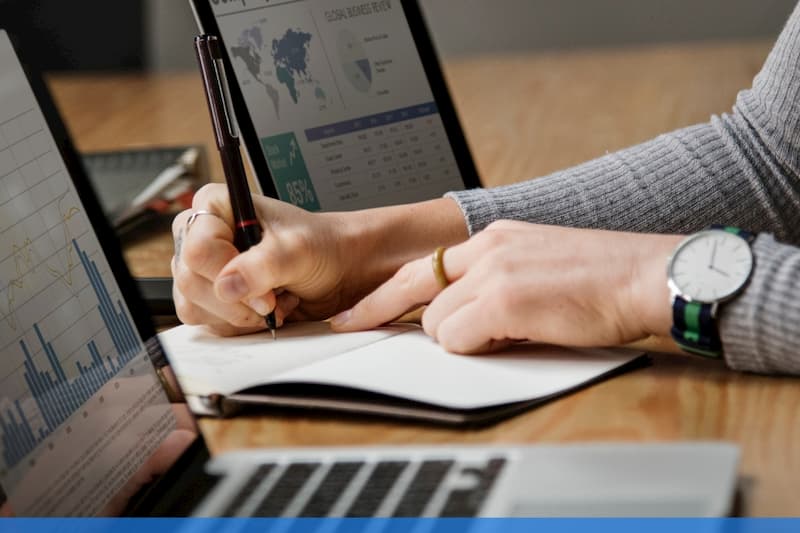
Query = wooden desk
x=524 y=116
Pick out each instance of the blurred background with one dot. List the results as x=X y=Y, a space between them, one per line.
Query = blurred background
x=580 y=78
x=156 y=34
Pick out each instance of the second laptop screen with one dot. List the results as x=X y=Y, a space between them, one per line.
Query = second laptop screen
x=339 y=99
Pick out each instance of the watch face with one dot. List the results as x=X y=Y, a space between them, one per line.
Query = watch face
x=711 y=266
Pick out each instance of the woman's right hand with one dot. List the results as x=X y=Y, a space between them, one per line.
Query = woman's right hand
x=308 y=266
x=299 y=256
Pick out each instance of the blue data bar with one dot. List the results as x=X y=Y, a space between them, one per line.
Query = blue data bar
x=56 y=397
x=371 y=121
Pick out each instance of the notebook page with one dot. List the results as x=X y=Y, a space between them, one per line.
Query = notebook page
x=413 y=366
x=208 y=364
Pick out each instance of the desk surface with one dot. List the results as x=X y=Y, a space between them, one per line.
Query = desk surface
x=524 y=115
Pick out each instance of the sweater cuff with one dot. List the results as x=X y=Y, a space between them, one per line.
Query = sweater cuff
x=478 y=207
x=759 y=328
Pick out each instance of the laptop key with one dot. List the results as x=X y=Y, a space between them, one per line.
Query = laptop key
x=258 y=477
x=380 y=482
x=467 y=502
x=285 y=489
x=419 y=492
x=330 y=489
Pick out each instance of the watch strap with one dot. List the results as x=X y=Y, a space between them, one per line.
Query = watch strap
x=694 y=324
x=694 y=328
x=746 y=235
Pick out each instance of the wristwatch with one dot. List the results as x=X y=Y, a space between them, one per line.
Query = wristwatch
x=705 y=270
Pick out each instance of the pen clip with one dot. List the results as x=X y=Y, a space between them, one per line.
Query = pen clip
x=222 y=78
x=212 y=68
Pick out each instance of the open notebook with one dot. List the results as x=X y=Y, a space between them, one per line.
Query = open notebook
x=395 y=370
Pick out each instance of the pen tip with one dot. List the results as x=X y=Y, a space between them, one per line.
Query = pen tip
x=274 y=336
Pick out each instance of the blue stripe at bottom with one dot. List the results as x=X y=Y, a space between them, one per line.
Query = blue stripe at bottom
x=405 y=525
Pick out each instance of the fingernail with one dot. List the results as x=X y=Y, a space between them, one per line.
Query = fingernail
x=342 y=318
x=259 y=306
x=232 y=288
x=292 y=301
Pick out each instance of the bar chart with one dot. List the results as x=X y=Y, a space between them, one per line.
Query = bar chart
x=56 y=396
x=81 y=405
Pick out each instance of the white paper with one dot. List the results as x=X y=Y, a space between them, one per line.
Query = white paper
x=398 y=361
x=208 y=364
x=413 y=366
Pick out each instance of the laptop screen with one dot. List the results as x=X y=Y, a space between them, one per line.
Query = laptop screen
x=84 y=420
x=340 y=101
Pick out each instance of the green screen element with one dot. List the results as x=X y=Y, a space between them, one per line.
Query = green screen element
x=289 y=171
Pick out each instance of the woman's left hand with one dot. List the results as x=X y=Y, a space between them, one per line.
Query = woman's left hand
x=549 y=284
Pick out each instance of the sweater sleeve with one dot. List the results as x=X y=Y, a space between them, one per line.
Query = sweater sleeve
x=760 y=330
x=738 y=169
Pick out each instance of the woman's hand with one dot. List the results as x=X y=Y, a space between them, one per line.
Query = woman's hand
x=517 y=280
x=299 y=254
x=307 y=265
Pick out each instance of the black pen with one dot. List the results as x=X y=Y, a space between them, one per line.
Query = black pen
x=248 y=230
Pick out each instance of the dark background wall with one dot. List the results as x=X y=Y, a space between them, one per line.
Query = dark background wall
x=133 y=34
x=475 y=26
x=462 y=27
x=78 y=34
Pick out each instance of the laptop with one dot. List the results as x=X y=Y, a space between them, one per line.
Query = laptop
x=88 y=427
x=341 y=105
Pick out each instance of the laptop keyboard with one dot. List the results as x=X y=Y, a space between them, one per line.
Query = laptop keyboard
x=255 y=481
x=422 y=487
x=376 y=488
x=330 y=489
x=286 y=488
x=391 y=488
x=467 y=502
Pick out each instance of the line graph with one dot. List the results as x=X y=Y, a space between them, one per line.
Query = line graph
x=26 y=262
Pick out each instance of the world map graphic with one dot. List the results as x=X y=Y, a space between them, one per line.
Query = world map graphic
x=289 y=56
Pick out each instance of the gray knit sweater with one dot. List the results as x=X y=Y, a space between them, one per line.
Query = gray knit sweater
x=740 y=169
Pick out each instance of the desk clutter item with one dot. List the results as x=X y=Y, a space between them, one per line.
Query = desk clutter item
x=139 y=183
x=393 y=371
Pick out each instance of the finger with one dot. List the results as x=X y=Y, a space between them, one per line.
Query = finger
x=197 y=316
x=209 y=236
x=214 y=197
x=179 y=222
x=191 y=314
x=285 y=306
x=211 y=197
x=413 y=285
x=178 y=227
x=207 y=246
x=186 y=281
x=275 y=262
x=448 y=302
x=224 y=329
x=467 y=331
x=200 y=293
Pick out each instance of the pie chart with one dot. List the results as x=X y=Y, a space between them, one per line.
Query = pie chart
x=355 y=63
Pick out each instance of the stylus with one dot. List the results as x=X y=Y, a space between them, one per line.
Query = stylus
x=247 y=231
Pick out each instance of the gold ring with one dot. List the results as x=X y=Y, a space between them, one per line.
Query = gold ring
x=438 y=267
x=196 y=214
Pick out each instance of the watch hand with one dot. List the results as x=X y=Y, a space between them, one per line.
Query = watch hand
x=713 y=255
x=718 y=271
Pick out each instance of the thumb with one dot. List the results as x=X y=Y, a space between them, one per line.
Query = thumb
x=256 y=272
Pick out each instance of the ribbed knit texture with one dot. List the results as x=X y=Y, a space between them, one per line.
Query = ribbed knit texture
x=738 y=169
